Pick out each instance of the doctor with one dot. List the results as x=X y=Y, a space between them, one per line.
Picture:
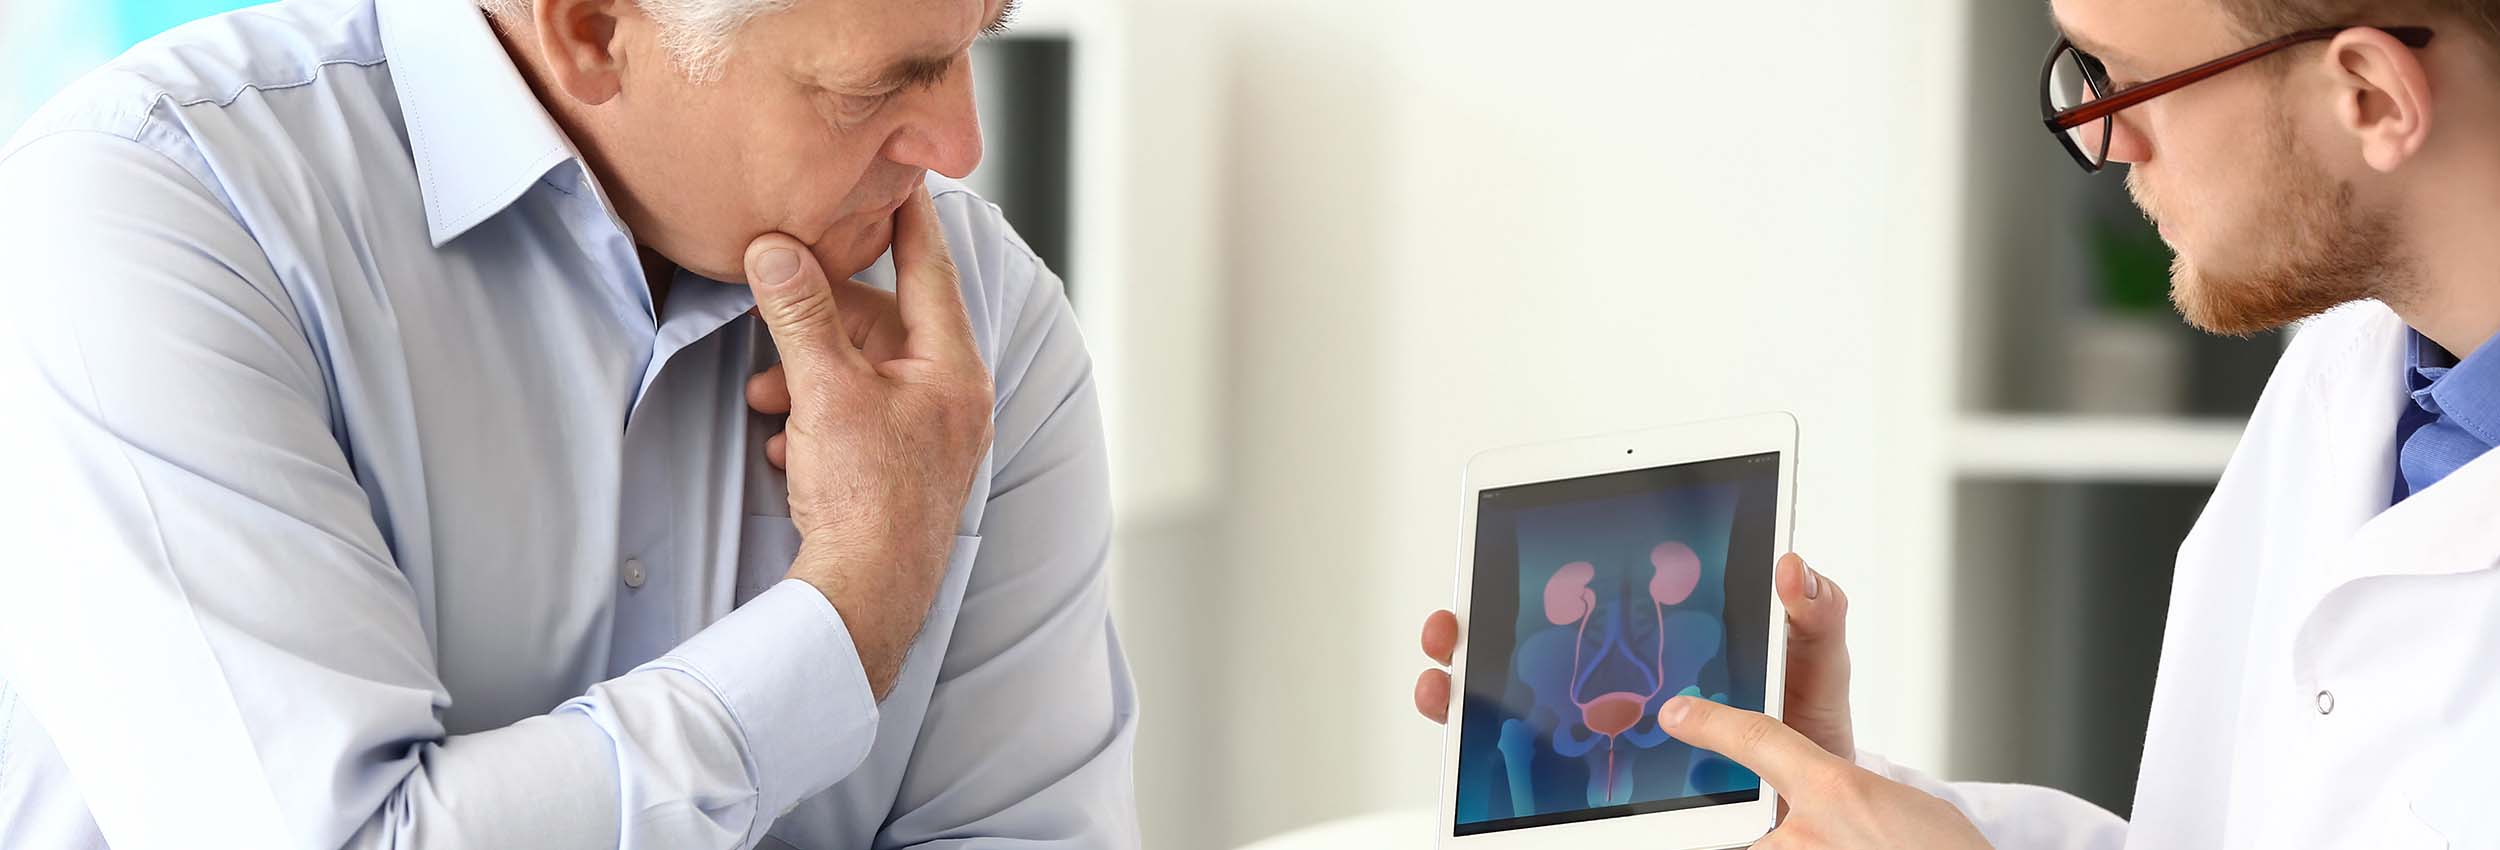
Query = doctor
x=2329 y=678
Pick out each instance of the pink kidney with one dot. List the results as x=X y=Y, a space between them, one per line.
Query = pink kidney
x=1679 y=571
x=1567 y=596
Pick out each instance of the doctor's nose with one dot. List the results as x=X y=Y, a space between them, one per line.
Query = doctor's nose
x=2127 y=144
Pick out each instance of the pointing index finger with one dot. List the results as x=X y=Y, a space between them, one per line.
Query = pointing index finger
x=1757 y=741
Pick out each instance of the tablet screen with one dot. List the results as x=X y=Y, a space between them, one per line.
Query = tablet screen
x=1595 y=600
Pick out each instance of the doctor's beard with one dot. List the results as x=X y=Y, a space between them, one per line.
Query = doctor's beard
x=2312 y=247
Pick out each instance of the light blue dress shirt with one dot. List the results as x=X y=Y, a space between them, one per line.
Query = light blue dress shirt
x=362 y=499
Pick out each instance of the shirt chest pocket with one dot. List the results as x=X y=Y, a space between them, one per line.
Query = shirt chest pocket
x=2398 y=825
x=2450 y=794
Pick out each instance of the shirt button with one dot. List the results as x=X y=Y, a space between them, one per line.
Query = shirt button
x=2326 y=702
x=633 y=573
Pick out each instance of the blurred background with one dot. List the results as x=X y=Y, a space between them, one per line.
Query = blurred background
x=1326 y=250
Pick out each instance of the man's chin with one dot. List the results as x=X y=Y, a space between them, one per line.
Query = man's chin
x=849 y=249
x=2247 y=306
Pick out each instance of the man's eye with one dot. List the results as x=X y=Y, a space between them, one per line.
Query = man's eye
x=846 y=109
x=2113 y=84
x=2099 y=74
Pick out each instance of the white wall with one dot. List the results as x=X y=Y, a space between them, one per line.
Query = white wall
x=1448 y=225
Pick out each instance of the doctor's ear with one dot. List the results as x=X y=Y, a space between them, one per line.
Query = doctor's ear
x=577 y=39
x=2383 y=95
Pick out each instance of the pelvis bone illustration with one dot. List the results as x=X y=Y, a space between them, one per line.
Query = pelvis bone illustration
x=1625 y=662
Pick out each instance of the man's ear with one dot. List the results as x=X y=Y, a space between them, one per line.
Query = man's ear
x=577 y=40
x=2383 y=95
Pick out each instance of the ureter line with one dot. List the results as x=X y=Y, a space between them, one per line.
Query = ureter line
x=1658 y=614
x=1588 y=606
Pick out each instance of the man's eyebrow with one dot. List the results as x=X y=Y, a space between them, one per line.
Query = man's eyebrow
x=915 y=71
x=928 y=70
x=2096 y=49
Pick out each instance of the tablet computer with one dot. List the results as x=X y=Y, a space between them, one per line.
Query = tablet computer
x=1598 y=578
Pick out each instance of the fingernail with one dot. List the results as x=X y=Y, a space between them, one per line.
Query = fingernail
x=776 y=266
x=1672 y=714
x=1814 y=584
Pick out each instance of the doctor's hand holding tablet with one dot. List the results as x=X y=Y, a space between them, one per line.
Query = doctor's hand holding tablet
x=1626 y=608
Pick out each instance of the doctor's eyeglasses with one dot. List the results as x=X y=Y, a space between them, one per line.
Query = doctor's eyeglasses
x=2077 y=100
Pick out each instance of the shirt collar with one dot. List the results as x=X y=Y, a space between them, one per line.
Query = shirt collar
x=2425 y=362
x=2466 y=393
x=480 y=137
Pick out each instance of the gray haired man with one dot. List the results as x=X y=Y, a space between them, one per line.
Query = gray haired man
x=562 y=424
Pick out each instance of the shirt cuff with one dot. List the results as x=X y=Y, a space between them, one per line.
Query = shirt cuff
x=785 y=667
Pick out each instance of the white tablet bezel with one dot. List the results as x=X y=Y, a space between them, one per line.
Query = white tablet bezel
x=1725 y=825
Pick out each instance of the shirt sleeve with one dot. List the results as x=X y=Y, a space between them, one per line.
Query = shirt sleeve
x=203 y=613
x=1034 y=660
x=2016 y=817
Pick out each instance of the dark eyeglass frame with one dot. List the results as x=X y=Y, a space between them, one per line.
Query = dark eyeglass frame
x=2104 y=104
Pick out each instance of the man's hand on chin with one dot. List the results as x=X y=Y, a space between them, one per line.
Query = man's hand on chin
x=889 y=408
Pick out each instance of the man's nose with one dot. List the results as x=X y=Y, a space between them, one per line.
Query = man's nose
x=2127 y=143
x=943 y=131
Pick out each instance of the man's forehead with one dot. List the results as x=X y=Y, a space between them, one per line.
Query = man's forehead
x=2138 y=33
x=2087 y=23
x=868 y=41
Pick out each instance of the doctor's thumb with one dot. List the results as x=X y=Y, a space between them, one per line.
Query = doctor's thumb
x=1818 y=610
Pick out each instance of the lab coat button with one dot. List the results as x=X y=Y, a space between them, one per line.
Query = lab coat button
x=2326 y=702
x=633 y=573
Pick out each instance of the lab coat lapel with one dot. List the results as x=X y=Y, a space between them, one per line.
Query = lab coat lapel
x=2450 y=527
x=2446 y=529
x=2350 y=454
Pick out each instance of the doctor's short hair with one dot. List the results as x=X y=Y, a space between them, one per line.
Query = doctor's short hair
x=695 y=32
x=2269 y=18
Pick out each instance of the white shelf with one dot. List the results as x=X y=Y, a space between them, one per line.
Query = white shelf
x=2088 y=448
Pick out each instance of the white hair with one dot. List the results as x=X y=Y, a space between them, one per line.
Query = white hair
x=696 y=32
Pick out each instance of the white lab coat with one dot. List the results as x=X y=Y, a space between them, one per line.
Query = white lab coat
x=2330 y=676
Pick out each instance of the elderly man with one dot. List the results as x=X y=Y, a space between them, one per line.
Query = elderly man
x=403 y=391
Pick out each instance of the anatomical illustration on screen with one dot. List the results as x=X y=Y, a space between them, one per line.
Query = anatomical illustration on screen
x=1620 y=608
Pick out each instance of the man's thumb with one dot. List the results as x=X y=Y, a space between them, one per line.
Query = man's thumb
x=795 y=303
